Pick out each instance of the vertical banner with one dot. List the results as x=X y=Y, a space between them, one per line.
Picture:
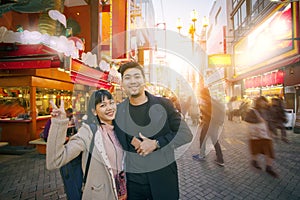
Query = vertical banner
x=119 y=9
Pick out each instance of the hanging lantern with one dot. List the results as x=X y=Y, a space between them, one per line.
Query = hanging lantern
x=279 y=77
x=264 y=80
x=273 y=78
x=258 y=81
x=269 y=79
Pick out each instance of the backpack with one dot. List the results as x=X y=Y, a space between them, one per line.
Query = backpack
x=72 y=175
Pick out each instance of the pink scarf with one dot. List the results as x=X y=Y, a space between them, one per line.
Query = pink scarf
x=112 y=147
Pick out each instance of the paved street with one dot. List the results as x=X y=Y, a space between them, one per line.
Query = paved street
x=25 y=177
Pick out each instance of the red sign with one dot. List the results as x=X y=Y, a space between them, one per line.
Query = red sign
x=27 y=56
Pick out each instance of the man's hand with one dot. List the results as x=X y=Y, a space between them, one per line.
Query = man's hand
x=136 y=143
x=147 y=146
x=60 y=112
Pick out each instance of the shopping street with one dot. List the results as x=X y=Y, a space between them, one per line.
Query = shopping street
x=25 y=176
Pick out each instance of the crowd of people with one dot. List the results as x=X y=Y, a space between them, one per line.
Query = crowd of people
x=147 y=129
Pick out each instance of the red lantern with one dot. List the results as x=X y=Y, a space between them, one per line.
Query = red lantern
x=264 y=81
x=268 y=79
x=258 y=81
x=279 y=77
x=273 y=78
x=255 y=82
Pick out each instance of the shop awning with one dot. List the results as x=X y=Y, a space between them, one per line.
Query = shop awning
x=85 y=80
x=82 y=74
x=27 y=56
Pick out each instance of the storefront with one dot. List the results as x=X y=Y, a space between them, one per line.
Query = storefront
x=292 y=92
x=264 y=58
x=33 y=93
x=269 y=84
x=30 y=78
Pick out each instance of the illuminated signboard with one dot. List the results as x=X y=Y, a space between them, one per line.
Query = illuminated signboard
x=269 y=40
x=219 y=60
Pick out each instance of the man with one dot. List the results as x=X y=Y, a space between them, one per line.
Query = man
x=149 y=128
x=213 y=114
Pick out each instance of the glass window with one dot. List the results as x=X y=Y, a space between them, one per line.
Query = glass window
x=243 y=10
x=14 y=102
x=236 y=21
x=254 y=8
x=234 y=3
x=44 y=95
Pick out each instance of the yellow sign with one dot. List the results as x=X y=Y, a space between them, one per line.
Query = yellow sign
x=219 y=60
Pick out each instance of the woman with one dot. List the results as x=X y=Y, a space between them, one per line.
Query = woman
x=278 y=118
x=260 y=140
x=107 y=155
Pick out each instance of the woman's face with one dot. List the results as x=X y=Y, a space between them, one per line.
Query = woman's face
x=106 y=110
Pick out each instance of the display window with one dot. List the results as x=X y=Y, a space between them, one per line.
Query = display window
x=45 y=95
x=252 y=93
x=272 y=92
x=15 y=101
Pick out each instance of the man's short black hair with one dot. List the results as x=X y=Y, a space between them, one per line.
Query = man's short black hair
x=130 y=65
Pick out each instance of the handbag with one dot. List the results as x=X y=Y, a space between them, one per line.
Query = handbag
x=72 y=175
x=121 y=185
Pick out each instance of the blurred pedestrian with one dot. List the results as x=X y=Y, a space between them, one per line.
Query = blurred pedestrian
x=213 y=114
x=260 y=140
x=236 y=110
x=72 y=130
x=176 y=103
x=106 y=161
x=278 y=118
x=149 y=129
x=229 y=106
x=194 y=112
x=185 y=106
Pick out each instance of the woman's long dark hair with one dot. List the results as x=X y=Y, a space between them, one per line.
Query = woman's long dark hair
x=97 y=97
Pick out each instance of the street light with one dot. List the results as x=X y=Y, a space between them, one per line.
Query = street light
x=192 y=29
x=201 y=36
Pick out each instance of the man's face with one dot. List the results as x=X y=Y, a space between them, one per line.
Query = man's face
x=133 y=82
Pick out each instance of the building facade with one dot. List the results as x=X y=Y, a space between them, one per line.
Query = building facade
x=265 y=50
